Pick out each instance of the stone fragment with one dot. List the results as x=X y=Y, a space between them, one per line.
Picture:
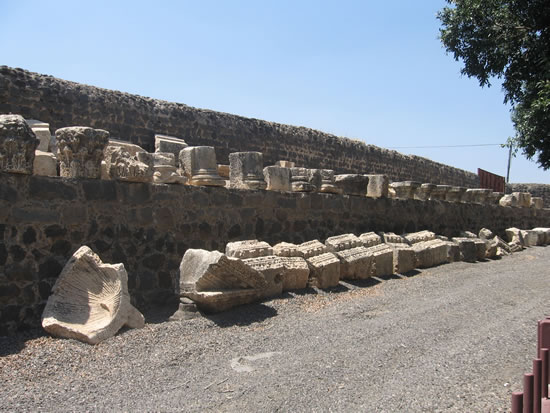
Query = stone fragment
x=248 y=249
x=502 y=247
x=164 y=143
x=90 y=300
x=420 y=236
x=440 y=192
x=391 y=238
x=324 y=270
x=509 y=200
x=530 y=238
x=382 y=255
x=125 y=167
x=424 y=191
x=277 y=178
x=44 y=164
x=537 y=202
x=199 y=166
x=468 y=248
x=370 y=239
x=327 y=182
x=405 y=189
x=430 y=253
x=491 y=248
x=342 y=242
x=314 y=178
x=272 y=268
x=80 y=151
x=352 y=184
x=131 y=148
x=355 y=263
x=17 y=145
x=286 y=249
x=164 y=159
x=478 y=195
x=295 y=274
x=546 y=232
x=481 y=249
x=312 y=248
x=42 y=132
x=467 y=234
x=378 y=186
x=165 y=171
x=455 y=194
x=223 y=171
x=453 y=251
x=300 y=180
x=404 y=259
x=515 y=239
x=216 y=282
x=285 y=164
x=524 y=199
x=486 y=234
x=246 y=170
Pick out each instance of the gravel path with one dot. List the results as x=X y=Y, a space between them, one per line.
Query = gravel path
x=454 y=338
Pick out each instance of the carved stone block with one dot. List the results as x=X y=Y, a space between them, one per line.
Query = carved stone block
x=277 y=178
x=80 y=151
x=439 y=193
x=530 y=238
x=486 y=234
x=355 y=263
x=352 y=184
x=327 y=182
x=295 y=274
x=478 y=195
x=312 y=248
x=537 y=202
x=424 y=191
x=125 y=167
x=246 y=170
x=455 y=194
x=300 y=180
x=468 y=248
x=391 y=238
x=515 y=235
x=286 y=249
x=166 y=174
x=370 y=239
x=285 y=164
x=430 y=253
x=420 y=236
x=199 y=166
x=17 y=145
x=164 y=159
x=170 y=144
x=272 y=268
x=405 y=189
x=282 y=273
x=509 y=200
x=404 y=259
x=44 y=164
x=131 y=148
x=324 y=270
x=42 y=132
x=481 y=249
x=383 y=259
x=378 y=186
x=248 y=249
x=546 y=232
x=524 y=199
x=342 y=242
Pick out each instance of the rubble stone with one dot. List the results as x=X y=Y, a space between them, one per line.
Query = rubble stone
x=481 y=249
x=324 y=270
x=223 y=171
x=285 y=164
x=524 y=199
x=246 y=170
x=478 y=195
x=277 y=178
x=17 y=145
x=355 y=263
x=248 y=249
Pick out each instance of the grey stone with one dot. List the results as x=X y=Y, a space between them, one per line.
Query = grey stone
x=166 y=174
x=272 y=268
x=546 y=232
x=277 y=178
x=295 y=274
x=121 y=165
x=355 y=263
x=44 y=164
x=378 y=186
x=199 y=166
x=455 y=194
x=468 y=248
x=342 y=242
x=300 y=180
x=285 y=164
x=404 y=259
x=405 y=189
x=223 y=171
x=17 y=145
x=352 y=184
x=424 y=191
x=324 y=270
x=478 y=195
x=370 y=239
x=440 y=192
x=524 y=199
x=327 y=182
x=164 y=143
x=246 y=170
x=248 y=249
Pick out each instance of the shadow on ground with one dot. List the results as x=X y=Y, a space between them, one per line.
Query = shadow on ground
x=242 y=316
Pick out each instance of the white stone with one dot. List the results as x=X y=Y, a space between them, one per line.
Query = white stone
x=324 y=270
x=44 y=164
x=286 y=249
x=164 y=143
x=383 y=259
x=246 y=170
x=355 y=263
x=404 y=259
x=272 y=268
x=17 y=145
x=277 y=178
x=420 y=236
x=430 y=253
x=199 y=166
x=342 y=242
x=378 y=186
x=248 y=249
x=312 y=248
x=131 y=148
x=370 y=239
x=42 y=132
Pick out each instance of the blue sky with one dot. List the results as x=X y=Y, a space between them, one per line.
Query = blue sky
x=369 y=70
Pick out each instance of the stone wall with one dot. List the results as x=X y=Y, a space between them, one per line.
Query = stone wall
x=540 y=190
x=149 y=227
x=138 y=119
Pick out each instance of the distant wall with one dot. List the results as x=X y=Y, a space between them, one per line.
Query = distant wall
x=137 y=119
x=149 y=227
x=540 y=190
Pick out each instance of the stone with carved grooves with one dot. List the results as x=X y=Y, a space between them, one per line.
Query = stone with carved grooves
x=295 y=274
x=17 y=145
x=405 y=189
x=423 y=192
x=419 y=236
x=391 y=238
x=383 y=259
x=494 y=197
x=131 y=148
x=342 y=242
x=327 y=182
x=164 y=143
x=198 y=164
x=246 y=170
x=300 y=180
x=121 y=165
x=277 y=178
x=430 y=253
x=355 y=263
x=370 y=239
x=352 y=184
x=378 y=186
x=404 y=258
x=324 y=270
x=272 y=268
x=287 y=249
x=312 y=248
x=248 y=249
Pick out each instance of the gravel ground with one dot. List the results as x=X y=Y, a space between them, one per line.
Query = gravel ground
x=454 y=338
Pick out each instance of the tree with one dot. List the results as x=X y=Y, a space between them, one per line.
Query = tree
x=509 y=40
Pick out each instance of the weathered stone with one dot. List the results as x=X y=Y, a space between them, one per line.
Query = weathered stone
x=314 y=178
x=515 y=236
x=248 y=249
x=17 y=145
x=424 y=191
x=286 y=249
x=378 y=186
x=391 y=238
x=468 y=248
x=295 y=274
x=164 y=159
x=327 y=182
x=524 y=199
x=170 y=144
x=122 y=166
x=440 y=192
x=355 y=263
x=42 y=132
x=455 y=194
x=430 y=253
x=494 y=197
x=342 y=242
x=420 y=236
x=90 y=300
x=491 y=248
x=44 y=164
x=370 y=239
x=502 y=247
x=80 y=151
x=199 y=166
x=131 y=148
x=166 y=174
x=246 y=170
x=324 y=270
x=546 y=232
x=382 y=255
x=537 y=202
x=509 y=200
x=405 y=189
x=312 y=248
x=481 y=249
x=352 y=184
x=300 y=180
x=486 y=234
x=277 y=178
x=468 y=234
x=478 y=195
x=285 y=164
x=453 y=251
x=404 y=259
x=272 y=268
x=223 y=171
x=216 y=282
x=530 y=238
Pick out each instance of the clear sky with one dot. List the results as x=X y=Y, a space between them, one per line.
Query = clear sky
x=370 y=70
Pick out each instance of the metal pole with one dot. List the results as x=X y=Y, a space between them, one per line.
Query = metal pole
x=537 y=385
x=517 y=402
x=544 y=357
x=528 y=390
x=509 y=162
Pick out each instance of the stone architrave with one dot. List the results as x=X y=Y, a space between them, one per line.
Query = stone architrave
x=352 y=184
x=17 y=145
x=420 y=236
x=391 y=238
x=300 y=180
x=468 y=248
x=370 y=239
x=478 y=195
x=355 y=263
x=164 y=143
x=430 y=253
x=404 y=259
x=440 y=192
x=537 y=202
x=90 y=300
x=342 y=242
x=455 y=194
x=285 y=164
x=122 y=166
x=295 y=274
x=248 y=249
x=80 y=151
x=44 y=164
x=312 y=248
x=42 y=132
x=199 y=166
x=327 y=182
x=324 y=270
x=424 y=191
x=546 y=232
x=405 y=189
x=216 y=282
x=378 y=186
x=286 y=249
x=277 y=178
x=246 y=170
x=509 y=200
x=272 y=268
x=382 y=255
x=131 y=148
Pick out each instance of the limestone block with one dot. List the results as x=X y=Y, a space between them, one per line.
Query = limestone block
x=355 y=263
x=478 y=195
x=223 y=171
x=42 y=132
x=382 y=255
x=342 y=242
x=324 y=270
x=164 y=159
x=455 y=194
x=491 y=248
x=285 y=164
x=90 y=300
x=352 y=184
x=404 y=259
x=378 y=186
x=537 y=202
x=314 y=178
x=481 y=249
x=370 y=239
x=509 y=200
x=453 y=251
x=295 y=274
x=80 y=151
x=199 y=166
x=104 y=172
x=546 y=232
x=44 y=164
x=166 y=174
x=524 y=199
x=125 y=167
x=420 y=236
x=164 y=143
x=216 y=282
x=131 y=148
x=391 y=238
x=515 y=236
x=530 y=238
x=424 y=191
x=468 y=248
x=248 y=249
x=17 y=145
x=327 y=182
x=272 y=268
x=440 y=192
x=246 y=170
x=286 y=249
x=486 y=234
x=312 y=248
x=430 y=253
x=467 y=234
x=300 y=180
x=405 y=189
x=277 y=178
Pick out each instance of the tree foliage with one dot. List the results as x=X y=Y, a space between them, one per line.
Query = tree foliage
x=508 y=40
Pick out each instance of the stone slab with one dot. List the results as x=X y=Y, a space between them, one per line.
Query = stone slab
x=324 y=270
x=355 y=263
